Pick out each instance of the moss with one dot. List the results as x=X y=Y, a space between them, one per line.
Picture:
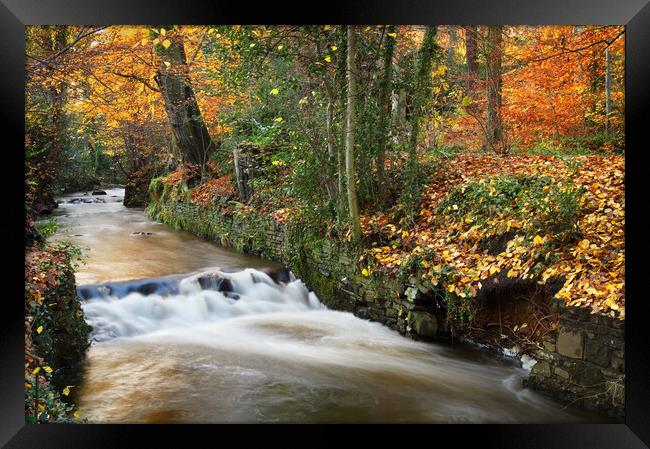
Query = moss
x=313 y=257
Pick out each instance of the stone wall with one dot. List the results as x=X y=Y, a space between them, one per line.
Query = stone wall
x=583 y=362
x=332 y=272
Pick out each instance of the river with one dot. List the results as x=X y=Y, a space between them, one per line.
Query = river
x=214 y=336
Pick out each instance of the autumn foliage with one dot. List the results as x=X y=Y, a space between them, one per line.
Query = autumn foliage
x=213 y=190
x=449 y=239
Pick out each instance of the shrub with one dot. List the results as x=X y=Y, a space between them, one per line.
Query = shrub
x=547 y=206
x=213 y=191
x=47 y=228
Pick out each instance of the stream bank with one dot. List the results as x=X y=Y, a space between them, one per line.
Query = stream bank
x=580 y=363
x=187 y=331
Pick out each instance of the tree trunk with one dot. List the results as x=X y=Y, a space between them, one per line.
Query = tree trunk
x=57 y=98
x=471 y=56
x=242 y=174
x=349 y=134
x=189 y=129
x=451 y=50
x=494 y=59
x=384 y=114
x=330 y=136
x=421 y=87
x=420 y=91
x=608 y=90
x=341 y=85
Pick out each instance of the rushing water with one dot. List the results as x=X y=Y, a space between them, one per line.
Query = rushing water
x=218 y=336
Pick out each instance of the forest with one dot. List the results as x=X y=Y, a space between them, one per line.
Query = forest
x=450 y=157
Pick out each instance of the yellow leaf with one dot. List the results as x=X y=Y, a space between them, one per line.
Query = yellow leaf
x=274 y=91
x=167 y=64
x=155 y=41
x=328 y=58
x=166 y=43
x=76 y=414
x=584 y=244
x=365 y=272
x=334 y=47
x=393 y=35
x=47 y=369
x=251 y=45
x=39 y=329
x=163 y=31
x=27 y=385
x=451 y=287
x=278 y=120
x=327 y=27
x=280 y=47
x=144 y=41
x=538 y=240
x=37 y=370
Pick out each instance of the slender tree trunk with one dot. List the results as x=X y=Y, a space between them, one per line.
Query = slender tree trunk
x=608 y=90
x=453 y=39
x=330 y=134
x=189 y=129
x=494 y=60
x=349 y=133
x=471 y=56
x=384 y=114
x=341 y=86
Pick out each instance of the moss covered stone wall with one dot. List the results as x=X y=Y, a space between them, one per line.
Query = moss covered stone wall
x=331 y=271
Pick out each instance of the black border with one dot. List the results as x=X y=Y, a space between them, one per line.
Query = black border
x=635 y=14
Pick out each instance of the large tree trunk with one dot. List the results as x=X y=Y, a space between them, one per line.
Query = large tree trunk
x=349 y=136
x=190 y=132
x=494 y=57
x=384 y=113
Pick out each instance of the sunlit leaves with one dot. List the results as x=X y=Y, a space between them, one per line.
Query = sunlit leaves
x=593 y=272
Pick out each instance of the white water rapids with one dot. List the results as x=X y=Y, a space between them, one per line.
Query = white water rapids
x=259 y=350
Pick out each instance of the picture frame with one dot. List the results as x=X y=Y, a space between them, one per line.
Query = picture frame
x=634 y=14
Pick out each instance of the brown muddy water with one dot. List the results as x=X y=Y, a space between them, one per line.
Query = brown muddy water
x=222 y=341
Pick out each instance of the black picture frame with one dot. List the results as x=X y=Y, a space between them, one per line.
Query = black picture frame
x=634 y=14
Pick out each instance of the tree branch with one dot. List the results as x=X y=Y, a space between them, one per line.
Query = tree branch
x=137 y=78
